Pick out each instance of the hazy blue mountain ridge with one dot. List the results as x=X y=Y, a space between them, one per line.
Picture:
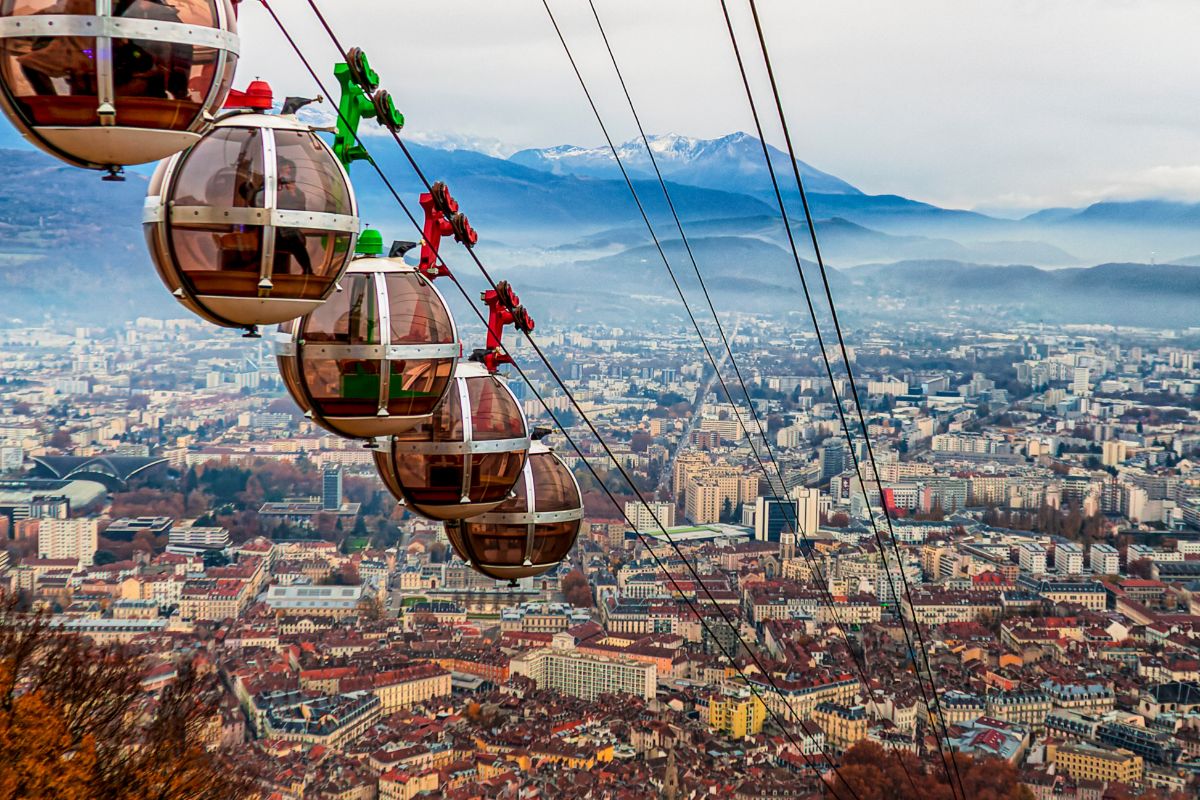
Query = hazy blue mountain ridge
x=67 y=238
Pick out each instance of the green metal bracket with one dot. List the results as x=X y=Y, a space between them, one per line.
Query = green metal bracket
x=359 y=101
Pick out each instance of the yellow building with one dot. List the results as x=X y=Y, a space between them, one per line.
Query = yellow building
x=403 y=688
x=402 y=785
x=734 y=711
x=688 y=463
x=1084 y=761
x=843 y=725
x=709 y=490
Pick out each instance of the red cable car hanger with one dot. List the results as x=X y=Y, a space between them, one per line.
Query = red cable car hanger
x=443 y=218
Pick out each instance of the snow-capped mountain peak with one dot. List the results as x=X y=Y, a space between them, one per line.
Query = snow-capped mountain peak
x=732 y=162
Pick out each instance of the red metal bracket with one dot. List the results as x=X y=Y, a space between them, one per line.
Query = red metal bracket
x=258 y=95
x=504 y=308
x=442 y=218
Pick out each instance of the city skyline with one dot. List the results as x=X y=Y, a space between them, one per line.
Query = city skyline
x=327 y=516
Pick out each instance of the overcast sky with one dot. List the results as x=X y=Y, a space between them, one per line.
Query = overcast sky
x=1018 y=104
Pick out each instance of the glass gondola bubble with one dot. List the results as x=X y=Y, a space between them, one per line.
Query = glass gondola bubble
x=106 y=83
x=466 y=458
x=378 y=356
x=255 y=223
x=530 y=533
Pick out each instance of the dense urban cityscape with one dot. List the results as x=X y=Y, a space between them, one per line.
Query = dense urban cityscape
x=314 y=487
x=1035 y=526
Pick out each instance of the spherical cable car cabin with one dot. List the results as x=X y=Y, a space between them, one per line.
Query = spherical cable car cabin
x=530 y=533
x=378 y=357
x=255 y=223
x=466 y=458
x=106 y=83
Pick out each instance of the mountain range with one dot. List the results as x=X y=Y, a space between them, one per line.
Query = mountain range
x=731 y=163
x=559 y=216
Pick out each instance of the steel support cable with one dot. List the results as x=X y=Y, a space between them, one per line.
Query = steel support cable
x=846 y=359
x=842 y=416
x=859 y=661
x=696 y=268
x=674 y=280
x=558 y=379
x=812 y=230
x=663 y=256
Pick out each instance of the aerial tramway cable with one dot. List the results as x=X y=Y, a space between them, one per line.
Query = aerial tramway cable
x=935 y=704
x=600 y=440
x=558 y=379
x=824 y=587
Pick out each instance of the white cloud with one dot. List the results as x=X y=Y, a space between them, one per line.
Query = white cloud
x=1168 y=182
x=961 y=104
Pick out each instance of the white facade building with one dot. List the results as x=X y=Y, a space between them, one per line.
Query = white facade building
x=68 y=538
x=642 y=515
x=1105 y=560
x=1068 y=559
x=565 y=669
x=1032 y=558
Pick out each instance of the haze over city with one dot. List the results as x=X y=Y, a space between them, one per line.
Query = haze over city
x=478 y=458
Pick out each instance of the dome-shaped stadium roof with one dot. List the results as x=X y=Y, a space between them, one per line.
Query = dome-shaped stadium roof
x=111 y=470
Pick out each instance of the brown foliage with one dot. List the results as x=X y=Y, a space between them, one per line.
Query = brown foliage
x=147 y=503
x=870 y=772
x=1141 y=568
x=75 y=723
x=576 y=589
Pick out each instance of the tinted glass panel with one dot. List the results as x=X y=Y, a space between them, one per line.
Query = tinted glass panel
x=349 y=317
x=223 y=170
x=438 y=479
x=498 y=545
x=52 y=79
x=309 y=178
x=189 y=12
x=161 y=85
x=552 y=541
x=494 y=412
x=418 y=314
x=430 y=480
x=494 y=474
x=343 y=387
x=444 y=426
x=553 y=486
x=418 y=385
x=219 y=259
x=306 y=262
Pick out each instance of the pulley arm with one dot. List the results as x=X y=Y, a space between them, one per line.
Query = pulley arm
x=361 y=98
x=442 y=218
x=504 y=308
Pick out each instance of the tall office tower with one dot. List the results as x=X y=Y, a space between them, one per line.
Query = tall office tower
x=833 y=458
x=808 y=509
x=331 y=487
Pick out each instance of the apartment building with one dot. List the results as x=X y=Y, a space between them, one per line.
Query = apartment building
x=563 y=668
x=68 y=538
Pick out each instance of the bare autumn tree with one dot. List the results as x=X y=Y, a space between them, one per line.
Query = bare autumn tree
x=60 y=439
x=1141 y=568
x=76 y=723
x=576 y=589
x=871 y=773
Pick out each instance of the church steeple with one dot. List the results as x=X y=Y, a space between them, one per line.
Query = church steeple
x=671 y=775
